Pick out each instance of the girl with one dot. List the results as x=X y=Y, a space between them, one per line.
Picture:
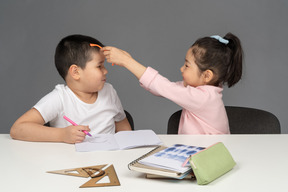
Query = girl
x=210 y=63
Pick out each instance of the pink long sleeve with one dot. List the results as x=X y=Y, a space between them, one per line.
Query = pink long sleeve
x=203 y=108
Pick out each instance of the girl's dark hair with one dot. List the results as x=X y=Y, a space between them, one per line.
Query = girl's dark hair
x=74 y=49
x=224 y=60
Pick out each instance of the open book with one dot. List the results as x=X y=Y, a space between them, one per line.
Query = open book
x=166 y=161
x=119 y=141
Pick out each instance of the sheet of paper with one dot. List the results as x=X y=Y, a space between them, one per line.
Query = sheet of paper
x=120 y=140
x=140 y=138
x=99 y=142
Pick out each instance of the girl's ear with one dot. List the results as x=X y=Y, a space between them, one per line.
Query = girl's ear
x=208 y=76
x=74 y=72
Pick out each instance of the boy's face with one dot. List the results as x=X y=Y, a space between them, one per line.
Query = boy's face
x=93 y=77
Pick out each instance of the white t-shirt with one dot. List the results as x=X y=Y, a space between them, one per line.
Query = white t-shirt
x=99 y=116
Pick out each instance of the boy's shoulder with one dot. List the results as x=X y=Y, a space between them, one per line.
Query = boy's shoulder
x=61 y=88
x=108 y=86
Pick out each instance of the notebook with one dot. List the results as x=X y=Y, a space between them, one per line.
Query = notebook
x=119 y=141
x=165 y=161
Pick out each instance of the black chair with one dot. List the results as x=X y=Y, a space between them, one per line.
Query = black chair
x=173 y=122
x=242 y=120
x=130 y=119
x=128 y=115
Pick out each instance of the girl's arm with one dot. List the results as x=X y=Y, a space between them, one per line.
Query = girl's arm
x=30 y=127
x=189 y=98
x=122 y=58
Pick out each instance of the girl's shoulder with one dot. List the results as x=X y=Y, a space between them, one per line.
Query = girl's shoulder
x=210 y=88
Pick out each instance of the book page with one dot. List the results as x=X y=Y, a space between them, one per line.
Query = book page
x=99 y=142
x=120 y=140
x=172 y=158
x=132 y=139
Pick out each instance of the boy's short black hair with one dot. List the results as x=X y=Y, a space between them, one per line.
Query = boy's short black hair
x=74 y=49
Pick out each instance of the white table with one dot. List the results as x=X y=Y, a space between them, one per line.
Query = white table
x=262 y=165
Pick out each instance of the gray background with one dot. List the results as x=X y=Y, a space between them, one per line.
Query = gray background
x=157 y=34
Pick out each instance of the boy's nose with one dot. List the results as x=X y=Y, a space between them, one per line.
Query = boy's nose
x=105 y=71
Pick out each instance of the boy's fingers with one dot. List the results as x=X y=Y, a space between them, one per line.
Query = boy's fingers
x=86 y=128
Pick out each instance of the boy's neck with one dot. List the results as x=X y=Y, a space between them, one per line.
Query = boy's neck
x=88 y=98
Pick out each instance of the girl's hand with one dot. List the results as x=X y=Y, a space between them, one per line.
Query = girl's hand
x=122 y=58
x=116 y=56
x=74 y=134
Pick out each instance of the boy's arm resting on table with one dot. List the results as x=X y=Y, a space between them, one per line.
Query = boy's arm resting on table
x=30 y=127
x=123 y=125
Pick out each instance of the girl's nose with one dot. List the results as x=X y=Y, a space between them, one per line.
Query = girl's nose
x=181 y=69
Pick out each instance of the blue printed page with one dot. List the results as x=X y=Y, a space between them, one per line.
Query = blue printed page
x=172 y=158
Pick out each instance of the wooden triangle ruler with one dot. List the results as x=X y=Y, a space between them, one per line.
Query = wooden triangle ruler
x=79 y=172
x=91 y=172
x=110 y=173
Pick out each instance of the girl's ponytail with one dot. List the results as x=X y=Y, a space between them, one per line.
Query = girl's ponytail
x=234 y=71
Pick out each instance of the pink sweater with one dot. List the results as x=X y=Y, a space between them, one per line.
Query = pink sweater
x=203 y=108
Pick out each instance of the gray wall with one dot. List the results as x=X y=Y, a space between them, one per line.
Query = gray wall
x=156 y=33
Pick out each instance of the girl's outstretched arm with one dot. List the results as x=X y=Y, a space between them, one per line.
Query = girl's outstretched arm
x=122 y=58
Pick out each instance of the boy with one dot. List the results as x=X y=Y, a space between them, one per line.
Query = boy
x=86 y=98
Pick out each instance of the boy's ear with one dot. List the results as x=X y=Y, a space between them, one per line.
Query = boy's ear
x=74 y=72
x=208 y=76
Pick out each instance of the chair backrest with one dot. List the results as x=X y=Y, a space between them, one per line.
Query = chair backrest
x=242 y=120
x=173 y=122
x=130 y=119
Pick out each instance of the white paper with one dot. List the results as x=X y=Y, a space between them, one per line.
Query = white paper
x=132 y=139
x=118 y=141
x=100 y=142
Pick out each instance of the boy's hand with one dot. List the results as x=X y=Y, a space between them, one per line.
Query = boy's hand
x=116 y=56
x=74 y=134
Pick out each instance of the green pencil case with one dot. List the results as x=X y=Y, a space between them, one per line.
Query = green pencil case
x=211 y=163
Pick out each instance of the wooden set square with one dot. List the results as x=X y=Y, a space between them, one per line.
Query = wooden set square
x=95 y=172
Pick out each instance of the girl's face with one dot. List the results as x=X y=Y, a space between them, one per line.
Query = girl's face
x=192 y=76
x=93 y=77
